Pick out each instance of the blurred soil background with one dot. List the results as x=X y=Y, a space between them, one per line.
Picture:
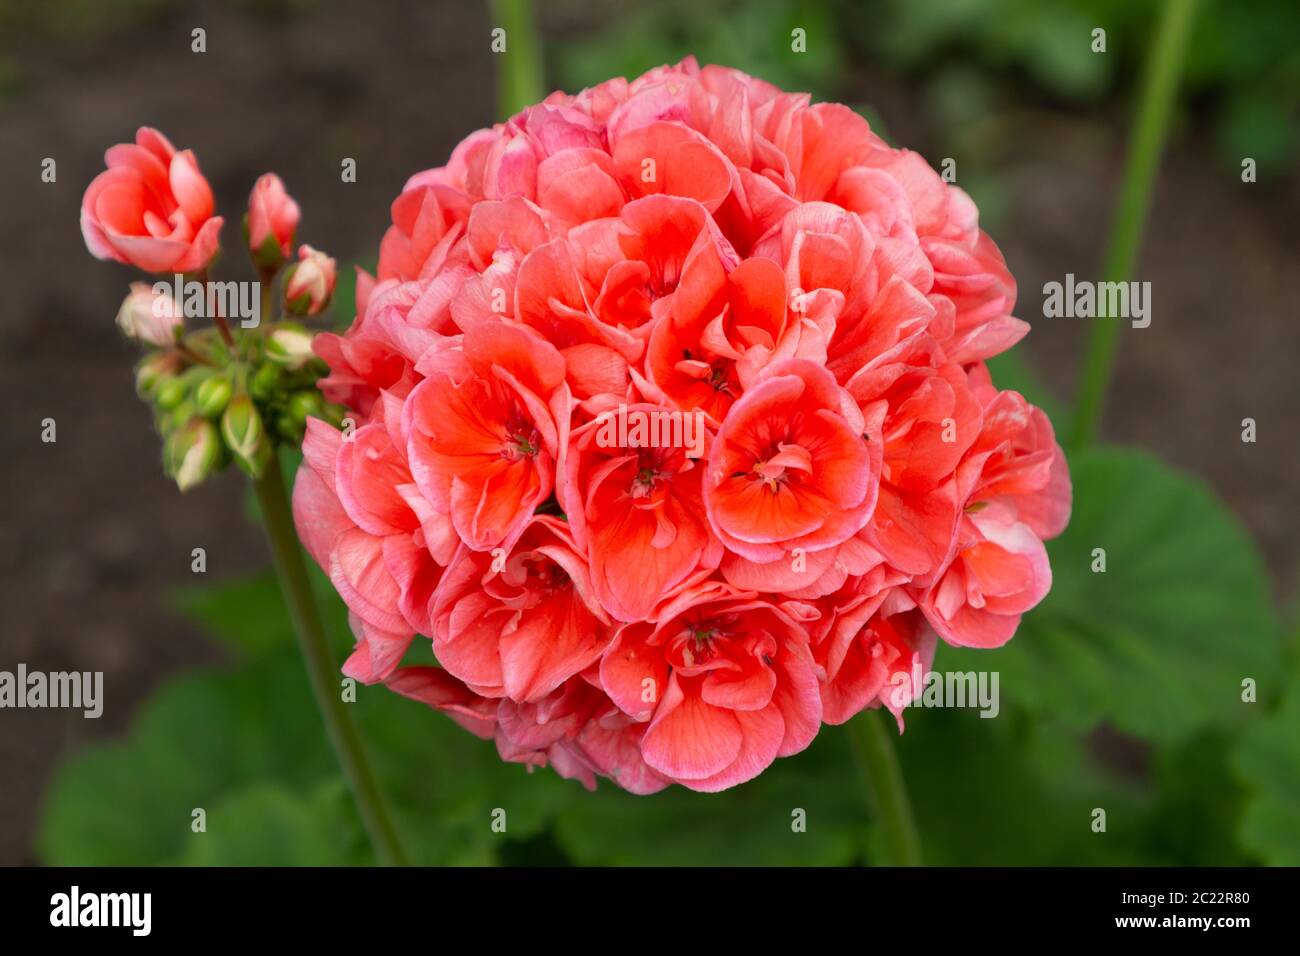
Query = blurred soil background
x=95 y=537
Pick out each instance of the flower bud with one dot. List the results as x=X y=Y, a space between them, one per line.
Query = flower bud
x=155 y=369
x=272 y=221
x=169 y=393
x=305 y=404
x=241 y=427
x=264 y=382
x=191 y=453
x=288 y=429
x=309 y=283
x=148 y=316
x=179 y=416
x=212 y=396
x=290 y=345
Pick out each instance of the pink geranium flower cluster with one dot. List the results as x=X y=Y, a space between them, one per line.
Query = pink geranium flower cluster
x=672 y=431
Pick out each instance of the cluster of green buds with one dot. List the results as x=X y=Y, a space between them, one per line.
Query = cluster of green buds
x=234 y=391
x=214 y=405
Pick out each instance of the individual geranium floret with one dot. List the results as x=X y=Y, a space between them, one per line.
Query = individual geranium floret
x=791 y=469
x=519 y=624
x=632 y=494
x=485 y=429
x=151 y=208
x=725 y=681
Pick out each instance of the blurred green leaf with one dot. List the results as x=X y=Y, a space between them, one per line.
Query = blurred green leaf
x=1268 y=759
x=1055 y=45
x=269 y=825
x=197 y=739
x=749 y=825
x=1264 y=129
x=1160 y=642
x=247 y=614
x=238 y=744
x=1007 y=791
x=1198 y=804
x=754 y=36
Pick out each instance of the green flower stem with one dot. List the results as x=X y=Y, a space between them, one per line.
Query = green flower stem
x=886 y=791
x=218 y=319
x=266 y=286
x=193 y=356
x=1159 y=88
x=519 y=79
x=321 y=668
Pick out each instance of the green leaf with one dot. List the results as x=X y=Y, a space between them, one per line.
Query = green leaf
x=749 y=825
x=754 y=36
x=1268 y=760
x=95 y=814
x=268 y=825
x=1160 y=642
x=247 y=614
x=1007 y=791
x=202 y=741
x=196 y=739
x=1198 y=806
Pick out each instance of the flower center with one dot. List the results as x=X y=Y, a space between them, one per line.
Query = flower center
x=544 y=574
x=522 y=439
x=699 y=647
x=644 y=483
x=789 y=460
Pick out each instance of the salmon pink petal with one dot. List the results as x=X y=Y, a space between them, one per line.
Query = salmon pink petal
x=318 y=515
x=202 y=247
x=358 y=572
x=761 y=733
x=690 y=739
x=633 y=675
x=189 y=187
x=559 y=639
x=369 y=473
x=616 y=752
x=439 y=690
x=750 y=690
x=377 y=653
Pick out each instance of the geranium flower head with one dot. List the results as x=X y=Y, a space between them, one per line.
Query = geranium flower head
x=674 y=433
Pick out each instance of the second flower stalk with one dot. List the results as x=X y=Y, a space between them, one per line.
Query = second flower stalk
x=238 y=389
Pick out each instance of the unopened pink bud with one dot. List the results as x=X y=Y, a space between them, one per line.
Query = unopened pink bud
x=272 y=220
x=310 y=282
x=149 y=316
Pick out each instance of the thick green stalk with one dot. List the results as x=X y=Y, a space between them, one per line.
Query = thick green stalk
x=321 y=668
x=1159 y=89
x=886 y=790
x=519 y=79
